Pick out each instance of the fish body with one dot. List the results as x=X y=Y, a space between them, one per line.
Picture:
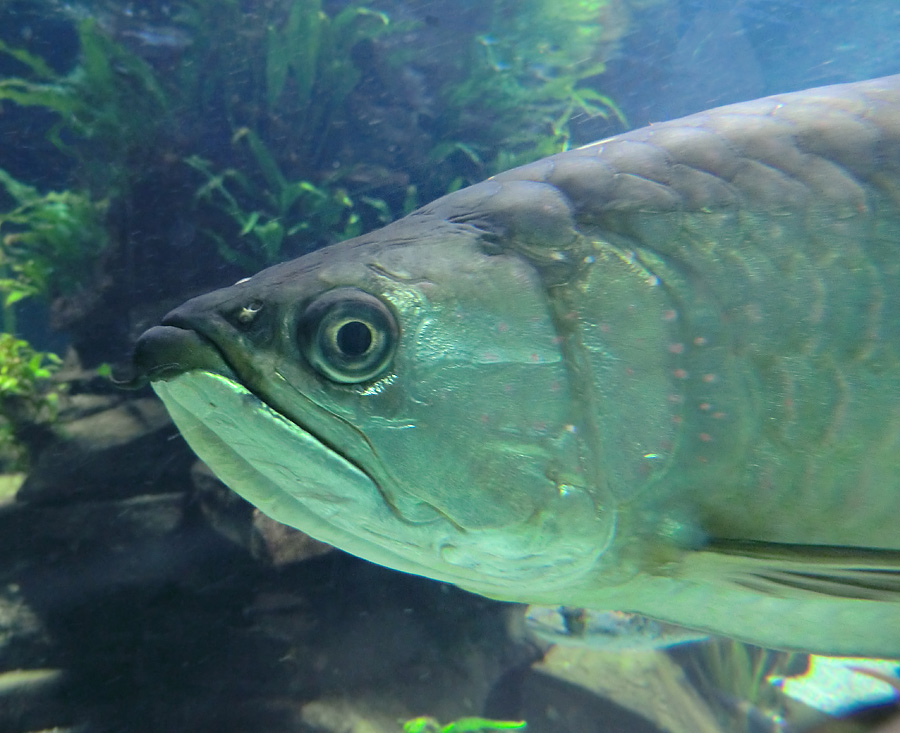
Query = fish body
x=658 y=374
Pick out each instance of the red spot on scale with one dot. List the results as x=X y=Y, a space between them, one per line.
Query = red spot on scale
x=670 y=315
x=680 y=374
x=676 y=348
x=705 y=437
x=502 y=327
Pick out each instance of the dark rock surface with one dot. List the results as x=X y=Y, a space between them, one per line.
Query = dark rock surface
x=109 y=447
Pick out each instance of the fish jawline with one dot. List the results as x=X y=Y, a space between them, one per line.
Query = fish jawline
x=259 y=453
x=296 y=479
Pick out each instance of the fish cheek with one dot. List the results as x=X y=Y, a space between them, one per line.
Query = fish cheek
x=479 y=443
x=487 y=403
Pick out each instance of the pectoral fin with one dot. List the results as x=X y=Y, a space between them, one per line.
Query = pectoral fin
x=794 y=571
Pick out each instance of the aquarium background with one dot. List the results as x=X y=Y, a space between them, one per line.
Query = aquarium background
x=151 y=151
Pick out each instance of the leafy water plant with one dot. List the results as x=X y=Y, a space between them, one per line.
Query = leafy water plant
x=49 y=243
x=26 y=395
x=278 y=209
x=329 y=96
x=274 y=128
x=525 y=79
x=463 y=725
x=735 y=676
x=109 y=106
x=295 y=194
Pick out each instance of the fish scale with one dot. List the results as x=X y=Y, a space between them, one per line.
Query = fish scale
x=764 y=248
x=659 y=374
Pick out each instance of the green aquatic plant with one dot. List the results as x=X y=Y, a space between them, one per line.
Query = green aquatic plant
x=293 y=194
x=524 y=82
x=314 y=50
x=463 y=725
x=27 y=397
x=109 y=106
x=266 y=113
x=737 y=675
x=49 y=243
x=277 y=209
x=300 y=174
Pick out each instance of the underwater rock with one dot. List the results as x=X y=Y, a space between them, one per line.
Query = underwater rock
x=353 y=715
x=649 y=684
x=281 y=545
x=23 y=637
x=110 y=448
x=238 y=521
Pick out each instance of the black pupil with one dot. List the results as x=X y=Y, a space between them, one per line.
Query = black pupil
x=354 y=338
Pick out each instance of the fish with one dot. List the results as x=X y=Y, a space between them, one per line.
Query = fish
x=658 y=374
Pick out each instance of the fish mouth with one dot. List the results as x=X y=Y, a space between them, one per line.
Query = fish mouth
x=276 y=464
x=282 y=469
x=164 y=352
x=236 y=432
x=185 y=343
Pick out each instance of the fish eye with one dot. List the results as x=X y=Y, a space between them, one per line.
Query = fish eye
x=348 y=335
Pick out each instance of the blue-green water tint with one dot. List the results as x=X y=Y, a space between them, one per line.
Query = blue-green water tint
x=134 y=600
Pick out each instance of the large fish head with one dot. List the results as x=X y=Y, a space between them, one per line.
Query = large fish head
x=402 y=396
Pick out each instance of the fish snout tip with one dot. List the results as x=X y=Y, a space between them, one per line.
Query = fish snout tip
x=163 y=352
x=126 y=376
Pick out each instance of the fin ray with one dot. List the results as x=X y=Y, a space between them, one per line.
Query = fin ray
x=785 y=570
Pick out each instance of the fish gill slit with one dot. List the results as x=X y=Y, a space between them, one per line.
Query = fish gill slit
x=585 y=415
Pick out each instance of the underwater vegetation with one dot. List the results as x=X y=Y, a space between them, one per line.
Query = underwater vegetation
x=50 y=245
x=463 y=725
x=529 y=71
x=277 y=114
x=736 y=678
x=274 y=183
x=109 y=108
x=26 y=397
x=350 y=125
